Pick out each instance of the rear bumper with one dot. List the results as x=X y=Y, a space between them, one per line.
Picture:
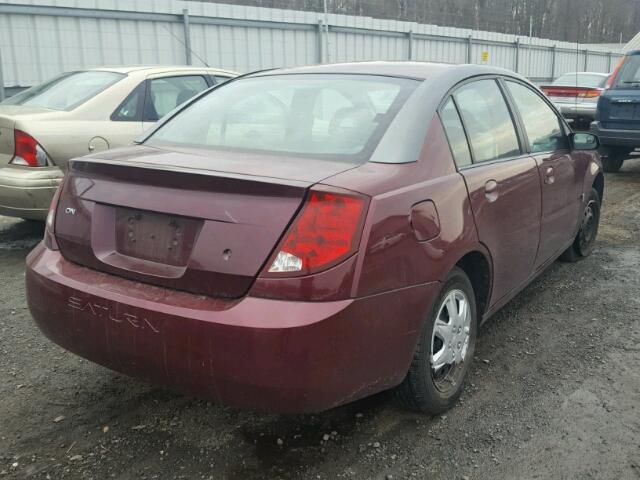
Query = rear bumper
x=570 y=110
x=616 y=137
x=27 y=192
x=254 y=353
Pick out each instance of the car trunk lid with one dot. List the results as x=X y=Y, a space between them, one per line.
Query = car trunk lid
x=7 y=144
x=162 y=219
x=9 y=115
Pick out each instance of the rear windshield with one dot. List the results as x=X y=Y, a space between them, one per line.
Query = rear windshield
x=338 y=117
x=629 y=75
x=66 y=91
x=581 y=80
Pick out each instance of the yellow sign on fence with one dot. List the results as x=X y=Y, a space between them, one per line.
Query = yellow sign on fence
x=484 y=56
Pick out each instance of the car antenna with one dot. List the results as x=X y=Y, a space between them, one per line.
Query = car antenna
x=185 y=45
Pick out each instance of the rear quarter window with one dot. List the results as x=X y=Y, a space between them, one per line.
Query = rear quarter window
x=455 y=134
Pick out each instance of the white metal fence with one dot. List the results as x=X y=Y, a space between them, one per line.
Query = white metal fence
x=41 y=38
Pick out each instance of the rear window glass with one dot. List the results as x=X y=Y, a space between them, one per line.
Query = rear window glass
x=339 y=117
x=630 y=72
x=66 y=91
x=585 y=80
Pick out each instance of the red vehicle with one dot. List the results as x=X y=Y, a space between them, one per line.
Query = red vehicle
x=297 y=239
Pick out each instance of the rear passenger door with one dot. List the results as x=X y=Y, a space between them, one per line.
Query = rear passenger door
x=561 y=186
x=166 y=93
x=501 y=179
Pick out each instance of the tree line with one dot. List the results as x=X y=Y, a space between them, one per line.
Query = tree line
x=584 y=21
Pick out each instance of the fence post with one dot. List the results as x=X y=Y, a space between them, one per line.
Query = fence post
x=320 y=42
x=469 y=48
x=187 y=36
x=410 y=45
x=517 y=59
x=553 y=62
x=2 y=93
x=586 y=60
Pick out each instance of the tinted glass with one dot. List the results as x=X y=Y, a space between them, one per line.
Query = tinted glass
x=586 y=80
x=66 y=91
x=165 y=94
x=541 y=123
x=333 y=116
x=630 y=72
x=455 y=134
x=487 y=120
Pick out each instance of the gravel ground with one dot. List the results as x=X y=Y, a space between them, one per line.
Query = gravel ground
x=554 y=393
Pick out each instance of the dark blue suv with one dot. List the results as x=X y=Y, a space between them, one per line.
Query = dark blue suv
x=617 y=121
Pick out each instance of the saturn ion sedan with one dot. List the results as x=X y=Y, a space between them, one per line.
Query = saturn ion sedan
x=80 y=112
x=297 y=239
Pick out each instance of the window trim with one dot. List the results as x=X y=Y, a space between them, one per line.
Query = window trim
x=503 y=81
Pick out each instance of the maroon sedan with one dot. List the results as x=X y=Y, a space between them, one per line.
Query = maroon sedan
x=297 y=239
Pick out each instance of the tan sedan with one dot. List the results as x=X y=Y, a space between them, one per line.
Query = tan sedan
x=78 y=113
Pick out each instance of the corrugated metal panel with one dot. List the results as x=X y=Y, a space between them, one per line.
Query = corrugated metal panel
x=73 y=34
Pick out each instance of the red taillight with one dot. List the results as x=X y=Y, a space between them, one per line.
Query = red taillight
x=49 y=228
x=590 y=93
x=577 y=92
x=28 y=151
x=325 y=232
x=612 y=78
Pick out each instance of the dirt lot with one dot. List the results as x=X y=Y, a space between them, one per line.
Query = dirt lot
x=554 y=393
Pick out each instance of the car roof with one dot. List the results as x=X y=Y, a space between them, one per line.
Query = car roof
x=417 y=70
x=159 y=69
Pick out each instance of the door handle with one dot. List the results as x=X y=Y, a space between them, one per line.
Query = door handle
x=491 y=190
x=549 y=176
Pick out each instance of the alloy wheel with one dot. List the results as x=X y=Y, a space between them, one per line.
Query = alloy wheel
x=450 y=341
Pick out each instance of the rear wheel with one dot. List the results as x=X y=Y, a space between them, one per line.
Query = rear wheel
x=445 y=349
x=613 y=158
x=585 y=240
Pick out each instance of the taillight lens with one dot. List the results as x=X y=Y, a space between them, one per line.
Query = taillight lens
x=571 y=92
x=612 y=78
x=325 y=232
x=49 y=228
x=592 y=93
x=28 y=151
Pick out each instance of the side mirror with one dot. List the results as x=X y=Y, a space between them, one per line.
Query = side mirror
x=584 y=141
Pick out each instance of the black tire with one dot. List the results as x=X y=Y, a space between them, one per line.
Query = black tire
x=422 y=389
x=585 y=240
x=613 y=158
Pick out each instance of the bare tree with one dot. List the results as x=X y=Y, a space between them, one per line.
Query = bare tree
x=585 y=21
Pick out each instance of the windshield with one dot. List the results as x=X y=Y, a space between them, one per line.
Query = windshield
x=65 y=91
x=338 y=117
x=581 y=80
